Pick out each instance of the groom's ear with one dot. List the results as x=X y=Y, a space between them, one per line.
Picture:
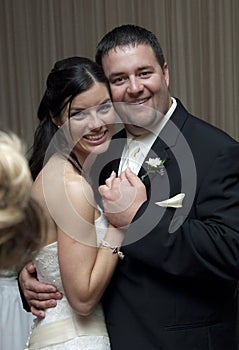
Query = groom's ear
x=166 y=73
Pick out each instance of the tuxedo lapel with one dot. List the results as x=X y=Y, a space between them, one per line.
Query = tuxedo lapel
x=168 y=137
x=157 y=151
x=161 y=187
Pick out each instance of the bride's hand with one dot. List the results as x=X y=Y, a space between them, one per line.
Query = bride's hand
x=122 y=196
x=109 y=181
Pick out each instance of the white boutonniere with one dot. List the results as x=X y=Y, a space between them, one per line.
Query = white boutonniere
x=174 y=202
x=155 y=166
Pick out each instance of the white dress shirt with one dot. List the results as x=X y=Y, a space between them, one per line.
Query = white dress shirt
x=137 y=148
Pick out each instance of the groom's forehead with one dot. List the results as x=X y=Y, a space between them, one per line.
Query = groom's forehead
x=128 y=59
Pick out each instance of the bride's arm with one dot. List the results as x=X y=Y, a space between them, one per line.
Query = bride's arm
x=85 y=269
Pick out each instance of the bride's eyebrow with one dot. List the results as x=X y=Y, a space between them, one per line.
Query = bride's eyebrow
x=77 y=109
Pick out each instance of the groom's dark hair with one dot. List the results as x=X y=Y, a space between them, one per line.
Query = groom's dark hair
x=128 y=35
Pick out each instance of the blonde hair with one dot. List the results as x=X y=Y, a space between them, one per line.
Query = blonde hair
x=22 y=224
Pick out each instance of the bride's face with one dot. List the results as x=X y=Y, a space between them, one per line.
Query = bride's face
x=91 y=123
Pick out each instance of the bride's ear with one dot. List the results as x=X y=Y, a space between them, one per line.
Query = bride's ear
x=56 y=121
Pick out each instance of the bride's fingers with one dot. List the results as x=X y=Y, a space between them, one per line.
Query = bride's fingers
x=110 y=193
x=133 y=179
x=122 y=176
x=103 y=189
x=124 y=180
x=109 y=181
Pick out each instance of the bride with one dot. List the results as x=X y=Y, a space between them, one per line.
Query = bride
x=76 y=123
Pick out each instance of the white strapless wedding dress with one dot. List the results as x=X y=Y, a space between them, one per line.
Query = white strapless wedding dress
x=63 y=328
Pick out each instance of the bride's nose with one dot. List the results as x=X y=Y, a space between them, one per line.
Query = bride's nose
x=95 y=122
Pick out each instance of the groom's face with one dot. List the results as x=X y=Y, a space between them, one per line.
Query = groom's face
x=137 y=79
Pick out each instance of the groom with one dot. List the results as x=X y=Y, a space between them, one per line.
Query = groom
x=175 y=288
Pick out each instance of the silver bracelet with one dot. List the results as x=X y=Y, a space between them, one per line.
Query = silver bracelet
x=115 y=250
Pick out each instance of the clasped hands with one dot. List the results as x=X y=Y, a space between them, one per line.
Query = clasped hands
x=122 y=197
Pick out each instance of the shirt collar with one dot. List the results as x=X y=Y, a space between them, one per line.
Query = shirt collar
x=149 y=139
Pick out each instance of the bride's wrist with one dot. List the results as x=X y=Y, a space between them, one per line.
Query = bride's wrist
x=114 y=248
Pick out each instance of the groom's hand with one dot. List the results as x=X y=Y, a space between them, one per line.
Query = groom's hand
x=122 y=197
x=39 y=296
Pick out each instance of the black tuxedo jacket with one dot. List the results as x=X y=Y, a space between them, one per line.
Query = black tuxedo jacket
x=175 y=288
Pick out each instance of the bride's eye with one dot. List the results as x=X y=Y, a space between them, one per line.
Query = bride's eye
x=78 y=116
x=104 y=108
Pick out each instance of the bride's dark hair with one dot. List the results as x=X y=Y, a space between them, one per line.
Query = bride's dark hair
x=68 y=78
